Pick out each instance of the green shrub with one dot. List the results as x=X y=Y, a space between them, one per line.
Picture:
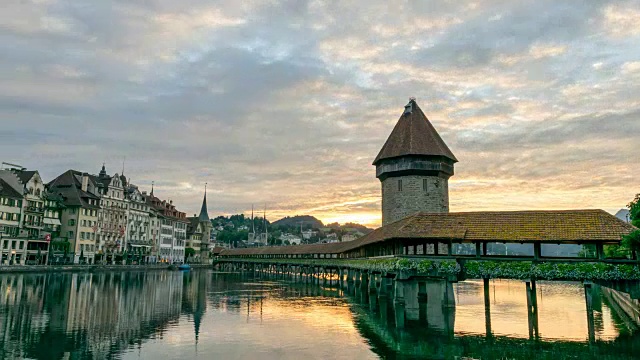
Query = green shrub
x=476 y=269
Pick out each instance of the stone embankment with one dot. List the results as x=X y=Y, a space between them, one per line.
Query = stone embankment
x=88 y=268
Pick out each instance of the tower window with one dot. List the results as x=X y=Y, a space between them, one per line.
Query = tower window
x=424 y=185
x=399 y=185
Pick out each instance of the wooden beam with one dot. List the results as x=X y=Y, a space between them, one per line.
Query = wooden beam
x=600 y=251
x=537 y=250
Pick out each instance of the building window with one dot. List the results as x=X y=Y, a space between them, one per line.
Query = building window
x=70 y=234
x=21 y=245
x=399 y=185
x=424 y=185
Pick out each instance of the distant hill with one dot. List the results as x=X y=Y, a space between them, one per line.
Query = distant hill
x=350 y=226
x=623 y=214
x=294 y=221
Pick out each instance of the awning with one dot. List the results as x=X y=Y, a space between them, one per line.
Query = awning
x=52 y=221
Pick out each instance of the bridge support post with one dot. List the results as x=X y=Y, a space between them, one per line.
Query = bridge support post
x=372 y=291
x=364 y=283
x=588 y=296
x=423 y=299
x=450 y=296
x=487 y=308
x=411 y=304
x=532 y=309
x=383 y=297
x=399 y=304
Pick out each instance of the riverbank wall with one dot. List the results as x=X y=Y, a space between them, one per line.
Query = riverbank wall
x=88 y=268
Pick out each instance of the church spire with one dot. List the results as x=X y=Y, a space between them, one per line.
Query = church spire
x=103 y=172
x=204 y=214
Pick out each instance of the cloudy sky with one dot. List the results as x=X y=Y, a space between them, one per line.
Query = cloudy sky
x=288 y=102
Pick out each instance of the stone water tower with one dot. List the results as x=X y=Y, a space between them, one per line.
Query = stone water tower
x=414 y=167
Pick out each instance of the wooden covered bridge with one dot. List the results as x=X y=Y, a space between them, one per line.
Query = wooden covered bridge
x=468 y=235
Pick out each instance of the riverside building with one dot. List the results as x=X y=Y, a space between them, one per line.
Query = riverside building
x=113 y=216
x=172 y=227
x=79 y=196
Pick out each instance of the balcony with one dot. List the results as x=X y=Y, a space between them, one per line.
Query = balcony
x=35 y=209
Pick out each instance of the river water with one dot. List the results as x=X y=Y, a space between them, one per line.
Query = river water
x=209 y=315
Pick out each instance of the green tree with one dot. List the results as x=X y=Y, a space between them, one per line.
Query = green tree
x=634 y=211
x=189 y=253
x=632 y=242
x=616 y=251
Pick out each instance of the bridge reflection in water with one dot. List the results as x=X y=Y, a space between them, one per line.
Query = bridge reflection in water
x=205 y=314
x=430 y=318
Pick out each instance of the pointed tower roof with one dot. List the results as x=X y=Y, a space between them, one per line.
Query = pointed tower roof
x=204 y=214
x=414 y=135
x=103 y=172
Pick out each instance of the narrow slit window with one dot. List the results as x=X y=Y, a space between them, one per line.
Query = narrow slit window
x=399 y=185
x=424 y=185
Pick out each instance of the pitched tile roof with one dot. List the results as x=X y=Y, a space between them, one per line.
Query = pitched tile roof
x=551 y=226
x=6 y=190
x=511 y=226
x=414 y=135
x=193 y=225
x=24 y=175
x=70 y=188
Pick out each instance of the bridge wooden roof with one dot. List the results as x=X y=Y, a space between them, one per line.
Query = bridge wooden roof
x=546 y=226
x=553 y=226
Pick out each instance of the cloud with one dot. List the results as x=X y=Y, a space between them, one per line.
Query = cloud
x=288 y=102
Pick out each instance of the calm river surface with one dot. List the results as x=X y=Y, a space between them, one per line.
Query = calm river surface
x=208 y=315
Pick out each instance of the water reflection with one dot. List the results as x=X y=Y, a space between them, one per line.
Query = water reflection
x=204 y=314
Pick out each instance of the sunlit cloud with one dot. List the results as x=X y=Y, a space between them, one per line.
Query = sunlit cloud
x=287 y=103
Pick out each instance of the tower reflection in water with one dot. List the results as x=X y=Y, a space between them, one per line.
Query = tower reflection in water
x=197 y=314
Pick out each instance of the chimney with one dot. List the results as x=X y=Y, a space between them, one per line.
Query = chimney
x=85 y=182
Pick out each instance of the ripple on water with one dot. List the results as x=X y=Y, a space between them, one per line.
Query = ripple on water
x=203 y=315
